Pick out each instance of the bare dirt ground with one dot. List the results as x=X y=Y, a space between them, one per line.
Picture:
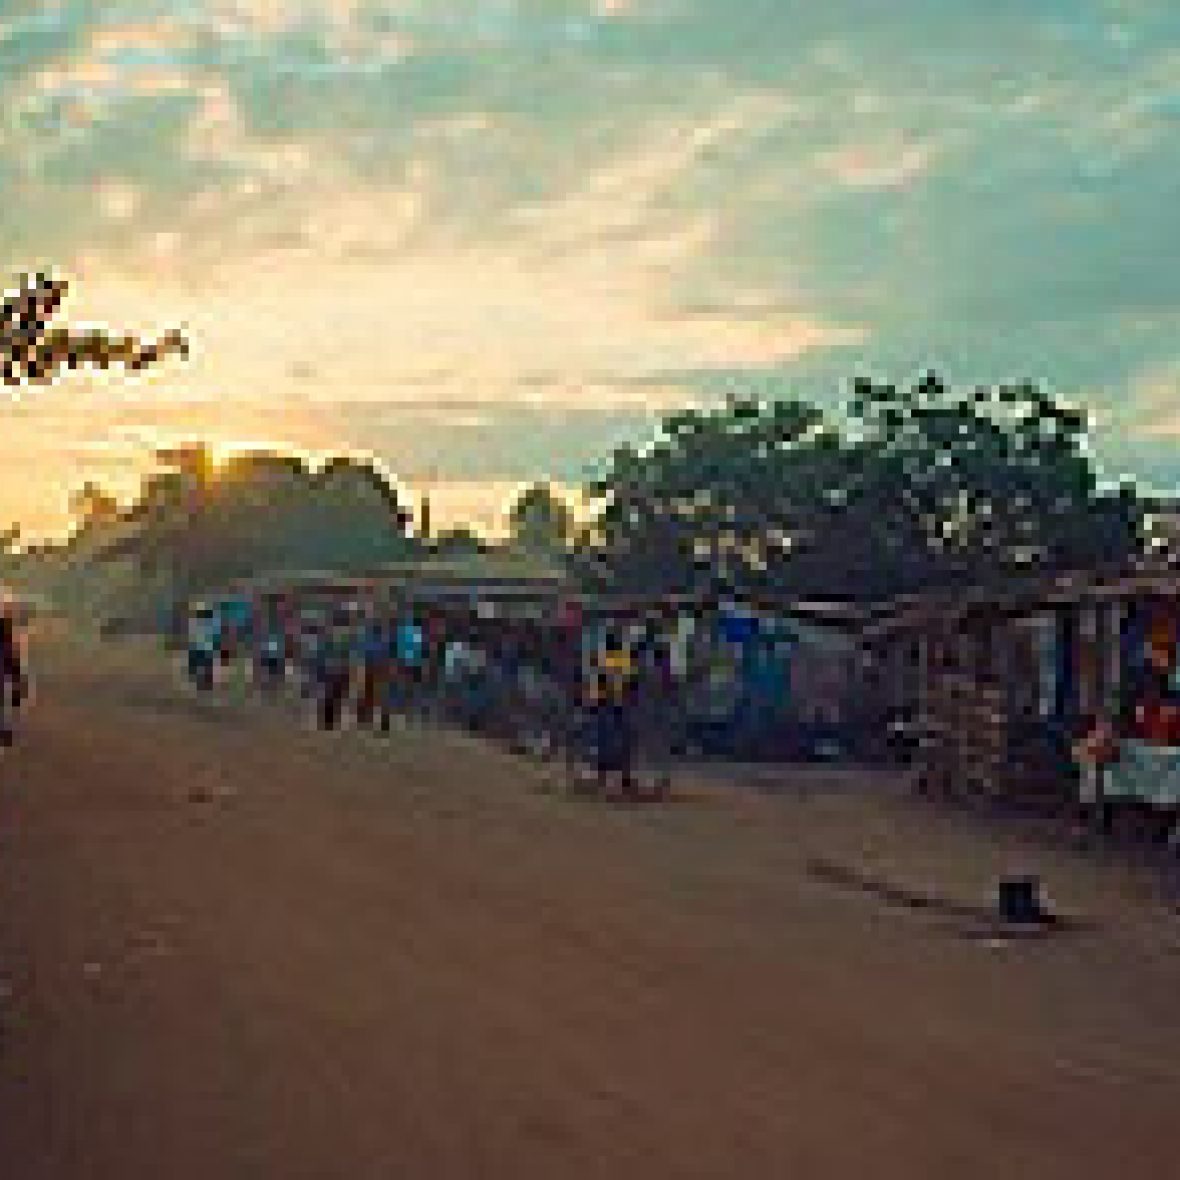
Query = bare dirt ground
x=230 y=947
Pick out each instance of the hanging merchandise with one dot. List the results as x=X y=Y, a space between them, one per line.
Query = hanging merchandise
x=1046 y=649
x=1162 y=630
x=738 y=626
x=1163 y=636
x=679 y=645
x=570 y=615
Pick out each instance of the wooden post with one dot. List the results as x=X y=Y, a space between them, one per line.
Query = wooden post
x=1116 y=613
x=1066 y=679
x=1089 y=662
x=922 y=642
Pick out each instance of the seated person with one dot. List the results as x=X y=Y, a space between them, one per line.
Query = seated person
x=1150 y=707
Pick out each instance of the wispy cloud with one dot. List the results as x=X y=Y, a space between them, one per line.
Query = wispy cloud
x=564 y=204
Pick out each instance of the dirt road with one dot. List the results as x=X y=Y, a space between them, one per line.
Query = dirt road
x=233 y=948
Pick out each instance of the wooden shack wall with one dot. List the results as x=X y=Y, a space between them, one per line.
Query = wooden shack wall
x=823 y=668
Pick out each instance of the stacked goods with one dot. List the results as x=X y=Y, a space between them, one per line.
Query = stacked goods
x=967 y=735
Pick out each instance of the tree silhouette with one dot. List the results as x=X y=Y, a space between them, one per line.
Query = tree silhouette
x=461 y=541
x=541 y=522
x=202 y=525
x=33 y=353
x=92 y=505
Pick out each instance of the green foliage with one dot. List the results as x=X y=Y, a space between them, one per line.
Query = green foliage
x=727 y=493
x=919 y=488
x=459 y=542
x=93 y=507
x=541 y=522
x=202 y=526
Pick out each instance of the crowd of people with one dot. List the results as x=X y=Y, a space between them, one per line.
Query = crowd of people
x=609 y=697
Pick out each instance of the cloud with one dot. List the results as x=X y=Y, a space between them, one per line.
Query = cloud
x=874 y=166
x=577 y=205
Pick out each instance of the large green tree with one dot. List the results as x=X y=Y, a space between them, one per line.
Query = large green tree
x=953 y=487
x=730 y=493
x=914 y=488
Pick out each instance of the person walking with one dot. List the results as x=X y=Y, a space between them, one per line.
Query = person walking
x=510 y=698
x=272 y=657
x=13 y=683
x=204 y=646
x=456 y=675
x=566 y=661
x=306 y=656
x=478 y=690
x=374 y=693
x=614 y=688
x=335 y=671
x=411 y=654
x=657 y=705
x=435 y=633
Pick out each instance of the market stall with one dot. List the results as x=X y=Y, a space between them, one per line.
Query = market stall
x=1145 y=773
x=999 y=682
x=1143 y=766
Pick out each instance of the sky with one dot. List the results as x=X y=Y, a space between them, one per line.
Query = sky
x=488 y=240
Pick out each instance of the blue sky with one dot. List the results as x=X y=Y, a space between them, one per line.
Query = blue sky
x=486 y=239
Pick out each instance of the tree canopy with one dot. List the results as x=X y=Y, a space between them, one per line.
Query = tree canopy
x=93 y=506
x=541 y=522
x=260 y=512
x=34 y=353
x=913 y=488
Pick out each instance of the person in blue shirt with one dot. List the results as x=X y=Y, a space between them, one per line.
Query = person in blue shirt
x=410 y=641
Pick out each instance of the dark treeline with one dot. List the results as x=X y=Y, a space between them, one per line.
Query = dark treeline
x=258 y=512
x=195 y=526
x=903 y=489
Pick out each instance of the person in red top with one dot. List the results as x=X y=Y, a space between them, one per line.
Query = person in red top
x=1151 y=708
